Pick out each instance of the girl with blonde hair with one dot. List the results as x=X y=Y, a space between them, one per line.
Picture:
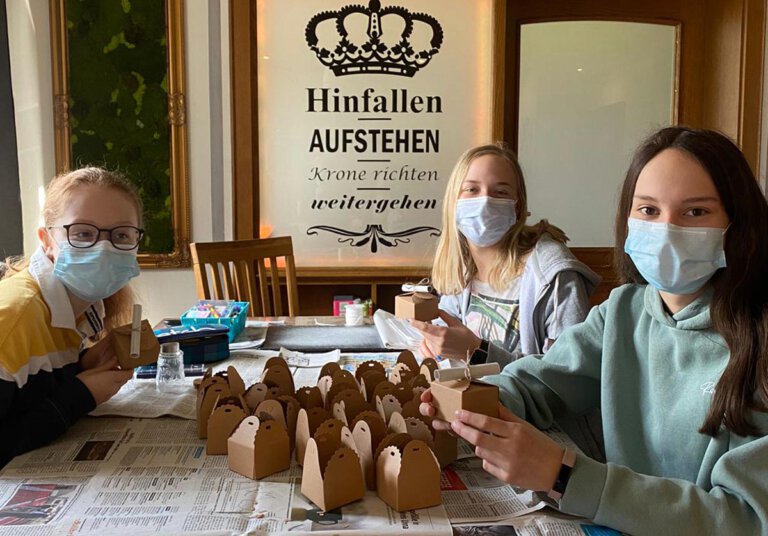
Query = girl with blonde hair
x=508 y=289
x=71 y=291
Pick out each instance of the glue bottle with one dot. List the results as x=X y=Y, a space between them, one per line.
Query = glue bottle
x=170 y=369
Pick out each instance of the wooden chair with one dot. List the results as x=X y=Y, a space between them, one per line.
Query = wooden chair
x=238 y=268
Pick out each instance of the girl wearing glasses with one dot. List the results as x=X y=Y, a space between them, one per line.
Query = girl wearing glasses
x=677 y=359
x=71 y=291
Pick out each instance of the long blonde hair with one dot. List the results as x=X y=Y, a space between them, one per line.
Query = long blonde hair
x=454 y=267
x=118 y=306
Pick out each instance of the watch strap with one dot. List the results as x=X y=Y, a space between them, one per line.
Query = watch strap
x=480 y=355
x=563 y=476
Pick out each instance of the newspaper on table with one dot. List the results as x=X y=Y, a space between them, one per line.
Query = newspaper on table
x=147 y=476
x=142 y=476
x=141 y=399
x=545 y=523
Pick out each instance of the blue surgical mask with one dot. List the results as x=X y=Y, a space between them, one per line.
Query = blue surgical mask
x=678 y=260
x=97 y=272
x=485 y=220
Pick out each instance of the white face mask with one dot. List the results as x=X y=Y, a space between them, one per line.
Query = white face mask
x=678 y=260
x=97 y=272
x=485 y=220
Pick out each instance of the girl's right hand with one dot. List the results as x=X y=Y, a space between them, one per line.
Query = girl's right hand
x=97 y=355
x=105 y=380
x=428 y=410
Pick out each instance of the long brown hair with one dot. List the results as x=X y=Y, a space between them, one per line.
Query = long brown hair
x=118 y=306
x=453 y=266
x=739 y=307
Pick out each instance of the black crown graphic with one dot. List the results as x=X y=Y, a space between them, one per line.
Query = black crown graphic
x=344 y=56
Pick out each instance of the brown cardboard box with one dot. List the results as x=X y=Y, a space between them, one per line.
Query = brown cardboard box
x=407 y=357
x=348 y=404
x=387 y=405
x=329 y=369
x=369 y=381
x=309 y=397
x=206 y=399
x=401 y=373
x=149 y=347
x=211 y=388
x=443 y=445
x=341 y=381
x=428 y=368
x=230 y=377
x=256 y=394
x=368 y=366
x=416 y=305
x=277 y=375
x=332 y=475
x=408 y=478
x=226 y=415
x=307 y=423
x=463 y=391
x=381 y=389
x=368 y=430
x=258 y=448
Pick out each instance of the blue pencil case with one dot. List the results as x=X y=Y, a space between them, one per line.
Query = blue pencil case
x=206 y=343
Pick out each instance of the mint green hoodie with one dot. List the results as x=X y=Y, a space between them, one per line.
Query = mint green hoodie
x=652 y=375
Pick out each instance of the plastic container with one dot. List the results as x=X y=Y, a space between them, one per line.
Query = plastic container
x=236 y=323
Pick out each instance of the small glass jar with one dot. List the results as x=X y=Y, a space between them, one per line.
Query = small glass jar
x=170 y=369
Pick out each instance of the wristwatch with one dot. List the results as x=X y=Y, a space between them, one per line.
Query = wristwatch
x=480 y=355
x=561 y=482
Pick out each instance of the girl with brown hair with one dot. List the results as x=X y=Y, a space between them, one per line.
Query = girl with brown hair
x=70 y=292
x=676 y=359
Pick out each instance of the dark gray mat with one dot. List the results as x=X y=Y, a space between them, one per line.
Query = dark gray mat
x=324 y=338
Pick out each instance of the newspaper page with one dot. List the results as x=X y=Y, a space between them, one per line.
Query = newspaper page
x=141 y=476
x=545 y=523
x=139 y=398
x=470 y=495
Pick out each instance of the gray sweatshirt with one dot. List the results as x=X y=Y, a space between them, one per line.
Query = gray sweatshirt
x=550 y=260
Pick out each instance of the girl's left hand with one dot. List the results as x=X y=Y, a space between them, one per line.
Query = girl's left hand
x=98 y=354
x=512 y=449
x=455 y=341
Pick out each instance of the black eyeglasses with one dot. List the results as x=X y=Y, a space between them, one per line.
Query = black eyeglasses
x=85 y=235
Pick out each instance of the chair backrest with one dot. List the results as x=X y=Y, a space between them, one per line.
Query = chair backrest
x=238 y=272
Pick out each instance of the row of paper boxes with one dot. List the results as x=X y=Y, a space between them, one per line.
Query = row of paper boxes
x=349 y=432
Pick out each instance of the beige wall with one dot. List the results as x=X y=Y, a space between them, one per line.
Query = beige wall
x=163 y=292
x=30 y=52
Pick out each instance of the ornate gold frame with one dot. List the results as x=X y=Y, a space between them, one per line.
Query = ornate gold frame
x=180 y=213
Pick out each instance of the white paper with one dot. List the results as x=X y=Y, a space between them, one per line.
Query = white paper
x=253 y=335
x=140 y=398
x=396 y=333
x=303 y=359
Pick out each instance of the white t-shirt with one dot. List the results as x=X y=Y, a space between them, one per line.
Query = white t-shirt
x=495 y=316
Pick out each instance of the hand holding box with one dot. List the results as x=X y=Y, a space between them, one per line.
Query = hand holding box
x=460 y=388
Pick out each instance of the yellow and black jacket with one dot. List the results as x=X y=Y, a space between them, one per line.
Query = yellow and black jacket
x=40 y=344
